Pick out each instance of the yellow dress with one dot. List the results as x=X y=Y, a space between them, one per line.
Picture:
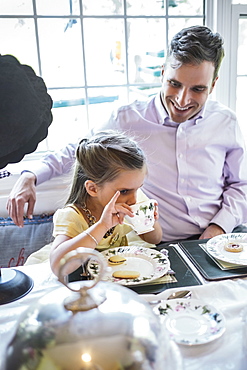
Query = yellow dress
x=69 y=221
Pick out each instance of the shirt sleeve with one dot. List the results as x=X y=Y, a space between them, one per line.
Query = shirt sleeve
x=53 y=164
x=233 y=211
x=68 y=222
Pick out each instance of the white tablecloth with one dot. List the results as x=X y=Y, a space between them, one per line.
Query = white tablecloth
x=229 y=296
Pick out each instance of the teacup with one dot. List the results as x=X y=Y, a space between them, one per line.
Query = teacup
x=143 y=220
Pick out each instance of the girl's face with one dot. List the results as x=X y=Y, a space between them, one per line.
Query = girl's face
x=127 y=182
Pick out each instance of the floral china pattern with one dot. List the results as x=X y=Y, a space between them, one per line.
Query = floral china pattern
x=215 y=247
x=206 y=314
x=161 y=263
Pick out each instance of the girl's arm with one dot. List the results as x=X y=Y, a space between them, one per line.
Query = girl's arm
x=112 y=215
x=155 y=236
x=64 y=244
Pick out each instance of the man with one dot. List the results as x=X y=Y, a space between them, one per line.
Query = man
x=197 y=164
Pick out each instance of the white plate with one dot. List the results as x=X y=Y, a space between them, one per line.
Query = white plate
x=190 y=321
x=215 y=247
x=150 y=263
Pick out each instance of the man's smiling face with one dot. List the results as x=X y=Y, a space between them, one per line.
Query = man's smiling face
x=186 y=89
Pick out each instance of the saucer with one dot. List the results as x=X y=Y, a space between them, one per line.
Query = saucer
x=191 y=321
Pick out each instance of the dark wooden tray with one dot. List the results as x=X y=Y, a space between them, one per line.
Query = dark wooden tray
x=205 y=264
x=184 y=275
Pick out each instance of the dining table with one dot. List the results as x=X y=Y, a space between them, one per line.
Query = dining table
x=226 y=291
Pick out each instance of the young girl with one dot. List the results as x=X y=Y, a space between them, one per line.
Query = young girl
x=109 y=170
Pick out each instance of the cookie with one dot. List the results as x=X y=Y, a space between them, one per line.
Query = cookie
x=126 y=274
x=116 y=260
x=233 y=247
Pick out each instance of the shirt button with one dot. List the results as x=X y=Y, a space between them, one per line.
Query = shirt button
x=188 y=199
x=182 y=181
x=180 y=155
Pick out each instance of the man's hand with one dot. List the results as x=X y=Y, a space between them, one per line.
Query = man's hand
x=211 y=231
x=23 y=192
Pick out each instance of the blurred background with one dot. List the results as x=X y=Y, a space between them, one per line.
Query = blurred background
x=96 y=54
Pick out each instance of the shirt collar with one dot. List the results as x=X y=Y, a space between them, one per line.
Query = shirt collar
x=161 y=111
x=163 y=117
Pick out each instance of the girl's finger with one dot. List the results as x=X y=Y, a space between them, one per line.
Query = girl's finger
x=124 y=209
x=114 y=198
x=121 y=218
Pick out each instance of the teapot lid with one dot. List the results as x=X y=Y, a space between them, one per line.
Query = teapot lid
x=84 y=297
x=100 y=326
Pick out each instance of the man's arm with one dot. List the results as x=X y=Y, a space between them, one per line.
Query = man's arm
x=24 y=190
x=54 y=164
x=51 y=165
x=211 y=231
x=233 y=211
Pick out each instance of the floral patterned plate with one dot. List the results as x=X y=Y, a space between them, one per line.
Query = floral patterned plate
x=150 y=263
x=190 y=321
x=215 y=247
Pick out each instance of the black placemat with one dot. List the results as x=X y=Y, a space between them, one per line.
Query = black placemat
x=184 y=275
x=206 y=266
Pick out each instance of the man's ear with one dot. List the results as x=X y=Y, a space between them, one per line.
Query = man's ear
x=162 y=72
x=162 y=69
x=91 y=188
x=213 y=84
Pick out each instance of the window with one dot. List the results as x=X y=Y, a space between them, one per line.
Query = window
x=232 y=24
x=93 y=53
x=238 y=64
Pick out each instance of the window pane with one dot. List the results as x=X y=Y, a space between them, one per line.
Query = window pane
x=18 y=30
x=16 y=7
x=99 y=7
x=239 y=1
x=105 y=51
x=65 y=31
x=146 y=7
x=57 y=7
x=69 y=117
x=61 y=54
x=143 y=92
x=146 y=45
x=176 y=24
x=241 y=103
x=242 y=75
x=103 y=101
x=242 y=47
x=186 y=7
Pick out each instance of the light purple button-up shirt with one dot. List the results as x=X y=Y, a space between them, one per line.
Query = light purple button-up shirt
x=197 y=170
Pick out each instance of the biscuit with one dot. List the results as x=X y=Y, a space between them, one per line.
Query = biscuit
x=233 y=247
x=116 y=260
x=126 y=274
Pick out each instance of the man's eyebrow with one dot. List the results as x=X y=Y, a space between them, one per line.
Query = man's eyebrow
x=173 y=79
x=192 y=87
x=200 y=86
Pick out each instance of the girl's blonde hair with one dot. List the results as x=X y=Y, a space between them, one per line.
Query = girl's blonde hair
x=100 y=159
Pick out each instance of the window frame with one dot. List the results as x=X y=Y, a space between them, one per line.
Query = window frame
x=217 y=16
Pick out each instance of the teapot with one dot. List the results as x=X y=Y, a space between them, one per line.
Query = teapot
x=87 y=325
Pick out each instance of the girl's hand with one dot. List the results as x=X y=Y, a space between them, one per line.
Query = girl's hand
x=114 y=213
x=156 y=212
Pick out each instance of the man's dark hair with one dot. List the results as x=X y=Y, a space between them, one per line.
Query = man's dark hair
x=194 y=45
